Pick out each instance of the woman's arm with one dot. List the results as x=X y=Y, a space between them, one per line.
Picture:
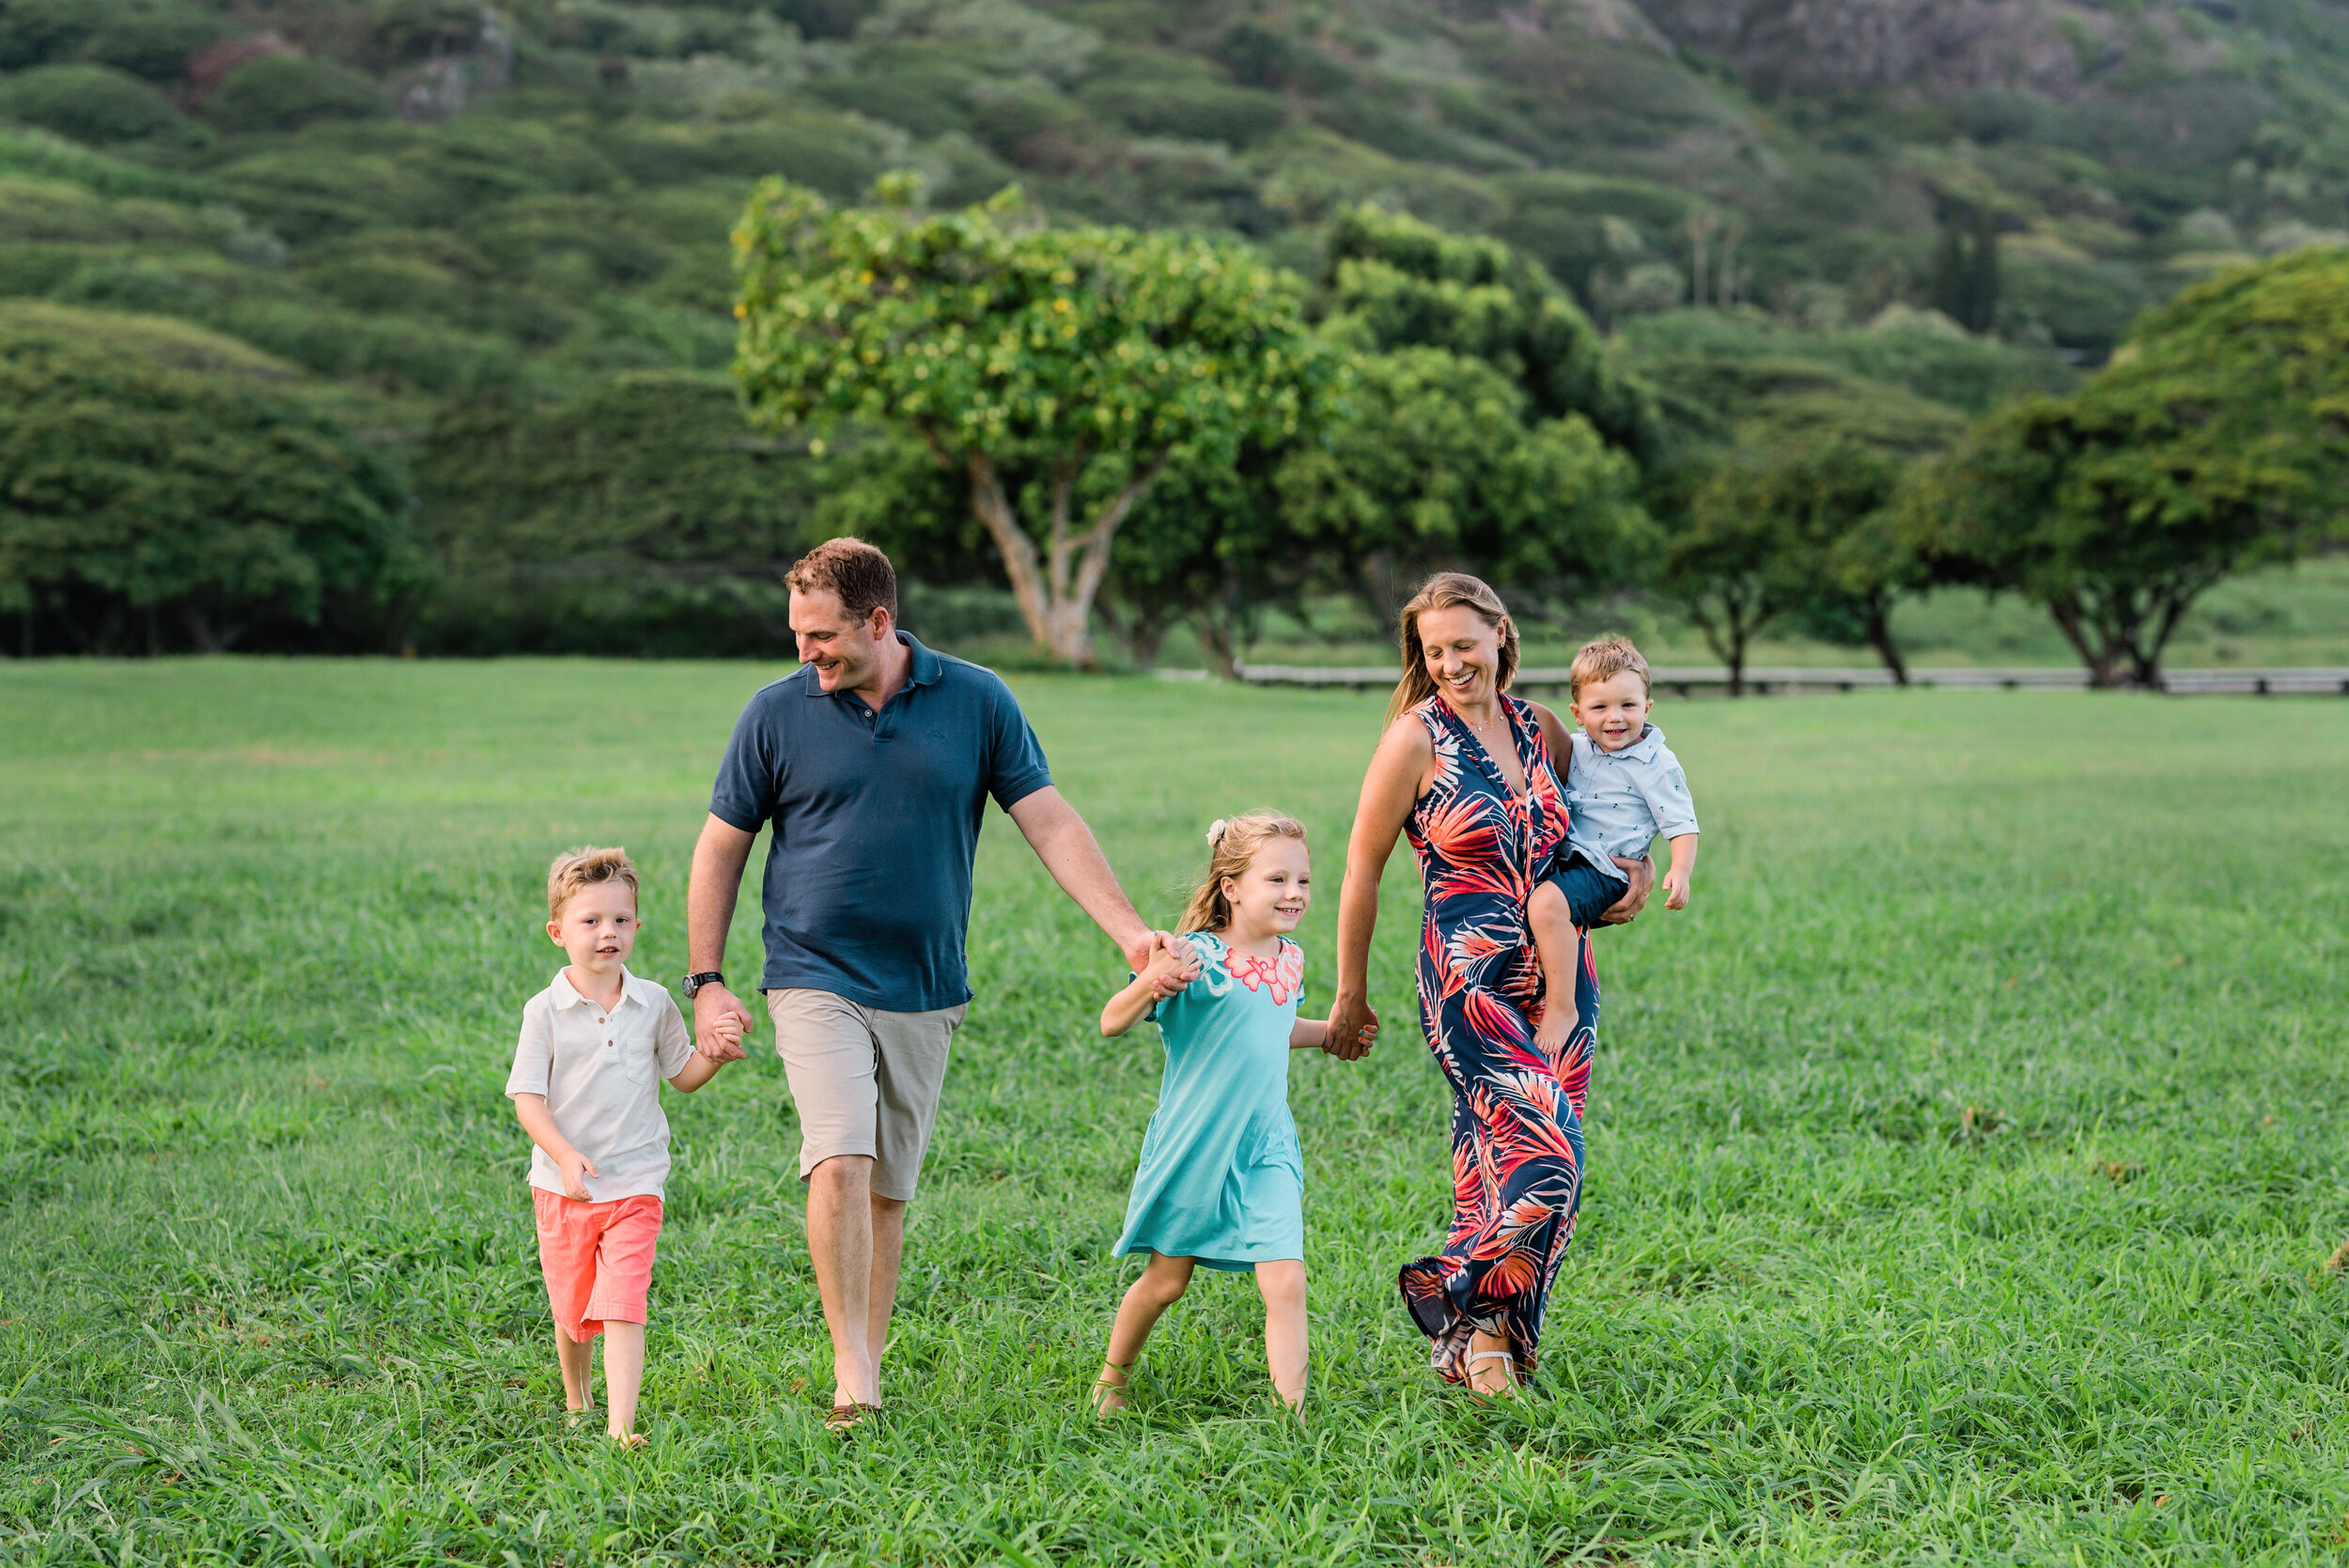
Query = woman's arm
x=1396 y=776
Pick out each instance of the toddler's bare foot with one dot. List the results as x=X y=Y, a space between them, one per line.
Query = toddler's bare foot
x=628 y=1439
x=1554 y=1031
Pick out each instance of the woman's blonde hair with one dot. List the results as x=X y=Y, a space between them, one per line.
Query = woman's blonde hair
x=1232 y=845
x=1449 y=590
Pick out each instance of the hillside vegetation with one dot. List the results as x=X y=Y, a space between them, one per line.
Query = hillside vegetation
x=490 y=241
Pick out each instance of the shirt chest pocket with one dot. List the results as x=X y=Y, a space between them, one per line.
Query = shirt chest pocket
x=625 y=1053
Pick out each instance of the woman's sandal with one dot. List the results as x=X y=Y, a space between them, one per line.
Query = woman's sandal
x=1487 y=1395
x=1106 y=1398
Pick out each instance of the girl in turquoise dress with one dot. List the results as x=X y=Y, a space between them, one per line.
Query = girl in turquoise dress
x=1222 y=1182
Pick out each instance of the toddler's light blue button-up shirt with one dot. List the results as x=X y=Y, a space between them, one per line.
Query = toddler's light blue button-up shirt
x=1617 y=802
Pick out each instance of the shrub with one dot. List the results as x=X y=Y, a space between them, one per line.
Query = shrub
x=151 y=38
x=1198 y=111
x=89 y=103
x=285 y=92
x=152 y=467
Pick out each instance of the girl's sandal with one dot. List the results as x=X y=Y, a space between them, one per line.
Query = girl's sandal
x=843 y=1420
x=1485 y=1396
x=1106 y=1398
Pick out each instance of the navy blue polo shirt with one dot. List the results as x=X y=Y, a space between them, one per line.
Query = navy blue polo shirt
x=877 y=819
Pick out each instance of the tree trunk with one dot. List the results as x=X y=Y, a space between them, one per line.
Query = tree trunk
x=1879 y=633
x=1055 y=586
x=2066 y=608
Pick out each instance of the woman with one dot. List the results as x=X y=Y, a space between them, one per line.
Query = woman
x=1465 y=770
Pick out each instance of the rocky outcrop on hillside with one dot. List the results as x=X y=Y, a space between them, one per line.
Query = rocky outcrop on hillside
x=1949 y=48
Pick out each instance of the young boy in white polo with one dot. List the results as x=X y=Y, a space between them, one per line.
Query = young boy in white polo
x=1624 y=787
x=586 y=1085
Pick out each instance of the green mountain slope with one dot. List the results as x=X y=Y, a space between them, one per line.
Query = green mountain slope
x=427 y=203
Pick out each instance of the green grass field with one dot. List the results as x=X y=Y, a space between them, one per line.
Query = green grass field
x=1963 y=1166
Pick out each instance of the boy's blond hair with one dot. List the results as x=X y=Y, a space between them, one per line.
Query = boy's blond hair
x=574 y=871
x=1604 y=660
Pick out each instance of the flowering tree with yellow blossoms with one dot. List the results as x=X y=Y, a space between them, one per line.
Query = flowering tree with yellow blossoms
x=1086 y=355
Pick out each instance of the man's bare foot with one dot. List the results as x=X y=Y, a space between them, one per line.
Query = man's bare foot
x=1109 y=1396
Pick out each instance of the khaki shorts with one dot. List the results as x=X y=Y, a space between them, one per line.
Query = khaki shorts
x=865 y=1080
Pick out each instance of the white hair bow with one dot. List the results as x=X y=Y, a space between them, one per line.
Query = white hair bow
x=1215 y=833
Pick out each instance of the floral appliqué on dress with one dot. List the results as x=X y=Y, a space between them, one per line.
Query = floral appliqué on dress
x=1278 y=977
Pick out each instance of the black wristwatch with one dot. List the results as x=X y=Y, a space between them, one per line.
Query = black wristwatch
x=695 y=982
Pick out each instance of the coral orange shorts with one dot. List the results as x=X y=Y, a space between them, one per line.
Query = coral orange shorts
x=597 y=1259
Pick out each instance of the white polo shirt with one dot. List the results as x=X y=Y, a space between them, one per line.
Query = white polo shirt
x=601 y=1072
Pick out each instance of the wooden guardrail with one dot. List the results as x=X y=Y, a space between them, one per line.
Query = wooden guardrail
x=1684 y=681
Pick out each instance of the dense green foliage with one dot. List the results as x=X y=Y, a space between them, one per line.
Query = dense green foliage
x=1073 y=351
x=2218 y=438
x=1964 y=1164
x=149 y=472
x=426 y=205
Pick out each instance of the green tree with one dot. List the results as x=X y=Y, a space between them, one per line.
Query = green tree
x=1804 y=529
x=645 y=514
x=1433 y=466
x=162 y=485
x=1392 y=281
x=2216 y=439
x=1001 y=343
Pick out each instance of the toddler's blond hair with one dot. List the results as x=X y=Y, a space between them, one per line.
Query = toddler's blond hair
x=1604 y=660
x=574 y=871
x=1232 y=843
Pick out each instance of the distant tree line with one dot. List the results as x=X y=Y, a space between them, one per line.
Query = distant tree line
x=1137 y=430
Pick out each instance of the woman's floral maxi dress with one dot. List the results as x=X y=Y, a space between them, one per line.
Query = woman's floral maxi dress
x=1516 y=1113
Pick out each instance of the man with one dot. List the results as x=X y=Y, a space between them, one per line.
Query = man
x=873 y=762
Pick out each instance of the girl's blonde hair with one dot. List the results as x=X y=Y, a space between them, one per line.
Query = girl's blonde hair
x=1449 y=590
x=1232 y=845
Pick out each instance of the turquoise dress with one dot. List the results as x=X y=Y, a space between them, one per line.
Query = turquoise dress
x=1221 y=1178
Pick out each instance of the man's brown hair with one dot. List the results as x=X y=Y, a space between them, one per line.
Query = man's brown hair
x=574 y=871
x=858 y=574
x=1604 y=660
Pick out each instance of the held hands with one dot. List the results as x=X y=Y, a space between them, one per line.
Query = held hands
x=576 y=1166
x=1353 y=1030
x=1170 y=966
x=719 y=1024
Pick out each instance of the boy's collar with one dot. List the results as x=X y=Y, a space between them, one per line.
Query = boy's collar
x=566 y=994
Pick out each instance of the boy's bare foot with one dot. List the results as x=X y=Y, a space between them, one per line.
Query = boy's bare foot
x=577 y=1417
x=628 y=1439
x=1108 y=1397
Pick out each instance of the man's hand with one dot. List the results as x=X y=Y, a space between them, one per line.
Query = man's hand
x=572 y=1164
x=719 y=1024
x=1353 y=1029
x=1626 y=909
x=1171 y=966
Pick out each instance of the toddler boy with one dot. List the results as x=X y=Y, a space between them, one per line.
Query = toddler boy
x=594 y=1045
x=1624 y=786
